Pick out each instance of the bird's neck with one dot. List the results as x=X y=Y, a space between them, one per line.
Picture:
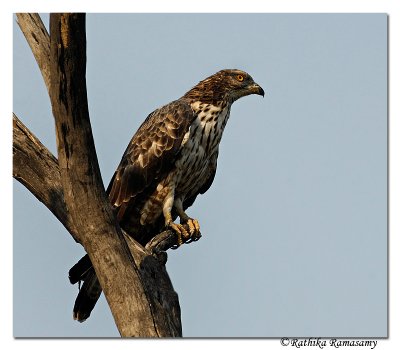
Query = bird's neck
x=210 y=123
x=210 y=109
x=205 y=94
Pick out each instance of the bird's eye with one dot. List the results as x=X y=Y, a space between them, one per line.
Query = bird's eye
x=240 y=77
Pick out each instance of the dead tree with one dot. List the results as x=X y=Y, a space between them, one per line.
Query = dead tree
x=134 y=279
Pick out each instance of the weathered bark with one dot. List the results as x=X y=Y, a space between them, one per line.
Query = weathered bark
x=136 y=284
x=35 y=167
x=39 y=41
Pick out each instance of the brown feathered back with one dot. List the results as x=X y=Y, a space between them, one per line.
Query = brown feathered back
x=150 y=155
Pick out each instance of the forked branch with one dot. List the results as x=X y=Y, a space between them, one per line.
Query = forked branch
x=136 y=285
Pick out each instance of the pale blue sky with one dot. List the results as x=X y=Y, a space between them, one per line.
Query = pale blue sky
x=294 y=226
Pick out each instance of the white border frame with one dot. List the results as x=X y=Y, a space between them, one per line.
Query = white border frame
x=8 y=7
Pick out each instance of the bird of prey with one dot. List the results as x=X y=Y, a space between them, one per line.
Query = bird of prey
x=171 y=159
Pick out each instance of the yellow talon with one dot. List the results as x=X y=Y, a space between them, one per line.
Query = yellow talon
x=194 y=229
x=180 y=231
x=196 y=225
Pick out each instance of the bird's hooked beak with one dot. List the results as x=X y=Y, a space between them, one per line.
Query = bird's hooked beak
x=256 y=89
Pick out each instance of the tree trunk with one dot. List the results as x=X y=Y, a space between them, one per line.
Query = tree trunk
x=134 y=280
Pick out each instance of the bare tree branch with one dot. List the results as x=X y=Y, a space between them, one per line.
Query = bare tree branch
x=162 y=242
x=39 y=41
x=37 y=169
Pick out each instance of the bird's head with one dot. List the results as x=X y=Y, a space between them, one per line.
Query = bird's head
x=227 y=84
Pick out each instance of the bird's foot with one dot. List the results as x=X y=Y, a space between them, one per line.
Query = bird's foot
x=180 y=230
x=194 y=229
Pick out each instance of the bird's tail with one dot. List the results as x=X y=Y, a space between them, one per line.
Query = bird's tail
x=90 y=290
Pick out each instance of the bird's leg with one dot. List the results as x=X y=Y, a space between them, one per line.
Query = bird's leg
x=194 y=226
x=178 y=228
